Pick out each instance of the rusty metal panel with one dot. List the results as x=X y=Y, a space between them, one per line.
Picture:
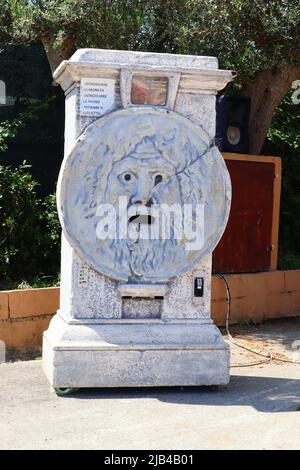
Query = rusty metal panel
x=247 y=241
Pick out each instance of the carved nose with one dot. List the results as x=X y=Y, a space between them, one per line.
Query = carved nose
x=137 y=202
x=142 y=192
x=139 y=199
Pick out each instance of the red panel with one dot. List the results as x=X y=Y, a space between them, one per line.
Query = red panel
x=245 y=245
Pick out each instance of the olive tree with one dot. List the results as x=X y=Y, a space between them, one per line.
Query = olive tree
x=259 y=39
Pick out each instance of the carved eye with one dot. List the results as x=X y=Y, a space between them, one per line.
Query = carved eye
x=127 y=177
x=158 y=179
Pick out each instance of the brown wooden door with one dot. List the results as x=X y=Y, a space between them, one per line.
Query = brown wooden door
x=246 y=243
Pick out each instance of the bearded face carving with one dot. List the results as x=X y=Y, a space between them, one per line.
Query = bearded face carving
x=125 y=186
x=143 y=176
x=146 y=181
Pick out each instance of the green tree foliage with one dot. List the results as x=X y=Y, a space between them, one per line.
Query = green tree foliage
x=29 y=228
x=259 y=39
x=69 y=24
x=8 y=130
x=247 y=35
x=284 y=140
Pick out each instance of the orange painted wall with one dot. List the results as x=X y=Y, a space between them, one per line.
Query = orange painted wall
x=256 y=297
x=25 y=314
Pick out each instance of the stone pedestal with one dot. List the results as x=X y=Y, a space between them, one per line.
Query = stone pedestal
x=130 y=313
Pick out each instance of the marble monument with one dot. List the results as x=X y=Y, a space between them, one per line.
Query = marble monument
x=143 y=199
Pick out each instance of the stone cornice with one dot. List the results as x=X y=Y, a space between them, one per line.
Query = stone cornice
x=192 y=80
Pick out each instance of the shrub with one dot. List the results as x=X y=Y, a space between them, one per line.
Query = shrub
x=29 y=228
x=284 y=140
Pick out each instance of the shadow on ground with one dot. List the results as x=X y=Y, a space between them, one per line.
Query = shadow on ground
x=266 y=394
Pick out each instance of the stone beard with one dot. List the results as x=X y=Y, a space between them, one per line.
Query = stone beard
x=152 y=158
x=147 y=180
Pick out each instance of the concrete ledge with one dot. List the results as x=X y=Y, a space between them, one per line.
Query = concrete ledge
x=256 y=297
x=24 y=334
x=25 y=314
x=32 y=302
x=3 y=305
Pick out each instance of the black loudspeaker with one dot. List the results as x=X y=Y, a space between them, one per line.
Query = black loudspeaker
x=232 y=127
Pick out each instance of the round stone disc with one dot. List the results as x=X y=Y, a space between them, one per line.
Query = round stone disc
x=143 y=195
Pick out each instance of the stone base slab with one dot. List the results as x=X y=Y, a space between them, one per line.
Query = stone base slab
x=134 y=355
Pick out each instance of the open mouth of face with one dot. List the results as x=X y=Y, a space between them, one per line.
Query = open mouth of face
x=141 y=219
x=140 y=214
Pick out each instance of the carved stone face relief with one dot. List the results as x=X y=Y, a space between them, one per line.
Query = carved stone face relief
x=132 y=188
